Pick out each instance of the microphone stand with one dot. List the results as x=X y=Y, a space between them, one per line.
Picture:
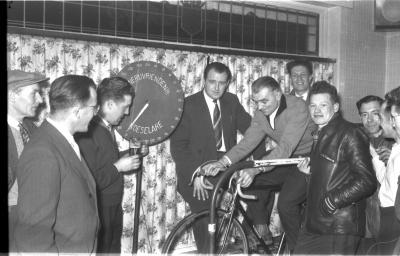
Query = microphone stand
x=133 y=151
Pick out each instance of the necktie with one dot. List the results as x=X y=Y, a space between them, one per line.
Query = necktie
x=111 y=129
x=315 y=136
x=217 y=125
x=24 y=133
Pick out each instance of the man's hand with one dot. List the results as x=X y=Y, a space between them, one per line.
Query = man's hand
x=247 y=176
x=383 y=153
x=304 y=166
x=127 y=163
x=199 y=191
x=214 y=168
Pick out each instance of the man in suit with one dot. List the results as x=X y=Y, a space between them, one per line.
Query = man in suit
x=57 y=207
x=99 y=148
x=301 y=77
x=208 y=128
x=285 y=120
x=23 y=101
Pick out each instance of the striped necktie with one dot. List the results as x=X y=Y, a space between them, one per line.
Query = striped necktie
x=24 y=133
x=217 y=125
x=111 y=129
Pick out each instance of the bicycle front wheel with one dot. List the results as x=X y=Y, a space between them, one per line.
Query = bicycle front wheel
x=230 y=236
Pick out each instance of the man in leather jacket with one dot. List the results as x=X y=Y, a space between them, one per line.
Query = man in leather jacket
x=341 y=178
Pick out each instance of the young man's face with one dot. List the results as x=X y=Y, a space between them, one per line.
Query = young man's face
x=395 y=117
x=369 y=113
x=386 y=124
x=300 y=79
x=215 y=84
x=322 y=108
x=116 y=110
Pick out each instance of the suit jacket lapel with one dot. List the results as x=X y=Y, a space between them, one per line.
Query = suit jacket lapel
x=204 y=114
x=226 y=116
x=78 y=166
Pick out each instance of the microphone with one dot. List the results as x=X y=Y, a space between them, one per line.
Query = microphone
x=134 y=147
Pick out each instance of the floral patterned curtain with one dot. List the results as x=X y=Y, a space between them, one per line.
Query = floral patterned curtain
x=161 y=206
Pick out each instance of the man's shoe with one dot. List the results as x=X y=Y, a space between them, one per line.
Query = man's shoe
x=265 y=233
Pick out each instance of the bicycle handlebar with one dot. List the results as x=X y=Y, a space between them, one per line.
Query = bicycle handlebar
x=245 y=196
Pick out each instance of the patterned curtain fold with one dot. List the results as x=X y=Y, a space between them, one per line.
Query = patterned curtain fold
x=161 y=206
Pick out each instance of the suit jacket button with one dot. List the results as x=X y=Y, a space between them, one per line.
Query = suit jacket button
x=90 y=195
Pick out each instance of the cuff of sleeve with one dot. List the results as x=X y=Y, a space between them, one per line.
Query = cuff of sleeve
x=329 y=204
x=226 y=161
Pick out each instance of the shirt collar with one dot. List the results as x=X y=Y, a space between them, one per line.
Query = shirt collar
x=62 y=130
x=12 y=122
x=105 y=122
x=208 y=99
x=273 y=114
x=303 y=96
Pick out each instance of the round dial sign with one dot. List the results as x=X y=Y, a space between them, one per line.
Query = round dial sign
x=158 y=103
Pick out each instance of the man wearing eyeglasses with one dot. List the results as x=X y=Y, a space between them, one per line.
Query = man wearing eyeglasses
x=57 y=204
x=107 y=164
x=301 y=77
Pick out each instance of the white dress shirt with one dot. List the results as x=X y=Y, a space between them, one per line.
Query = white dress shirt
x=387 y=175
x=211 y=107
x=272 y=118
x=303 y=96
x=68 y=136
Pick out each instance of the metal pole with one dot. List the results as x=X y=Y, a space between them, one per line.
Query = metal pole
x=137 y=211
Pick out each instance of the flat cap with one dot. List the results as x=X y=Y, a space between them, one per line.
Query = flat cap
x=19 y=78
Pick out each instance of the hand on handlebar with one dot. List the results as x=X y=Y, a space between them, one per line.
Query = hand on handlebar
x=213 y=168
x=199 y=191
x=247 y=176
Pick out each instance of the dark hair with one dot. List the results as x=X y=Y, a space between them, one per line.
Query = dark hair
x=265 y=82
x=220 y=68
x=367 y=99
x=325 y=87
x=114 y=88
x=68 y=91
x=304 y=63
x=393 y=98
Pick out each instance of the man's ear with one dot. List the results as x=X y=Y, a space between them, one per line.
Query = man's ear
x=336 y=107
x=311 y=80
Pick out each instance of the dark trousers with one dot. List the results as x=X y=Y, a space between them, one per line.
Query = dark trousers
x=308 y=243
x=389 y=233
x=200 y=230
x=291 y=196
x=109 y=237
x=12 y=219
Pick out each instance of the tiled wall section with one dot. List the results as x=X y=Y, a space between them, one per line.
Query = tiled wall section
x=362 y=57
x=392 y=60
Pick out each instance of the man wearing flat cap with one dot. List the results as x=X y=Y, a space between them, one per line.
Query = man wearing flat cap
x=23 y=100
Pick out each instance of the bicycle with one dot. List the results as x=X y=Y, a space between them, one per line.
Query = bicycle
x=227 y=234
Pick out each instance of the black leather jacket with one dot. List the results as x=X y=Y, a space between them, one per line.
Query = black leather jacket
x=341 y=169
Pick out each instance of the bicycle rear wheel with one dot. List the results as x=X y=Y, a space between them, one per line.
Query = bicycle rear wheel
x=230 y=236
